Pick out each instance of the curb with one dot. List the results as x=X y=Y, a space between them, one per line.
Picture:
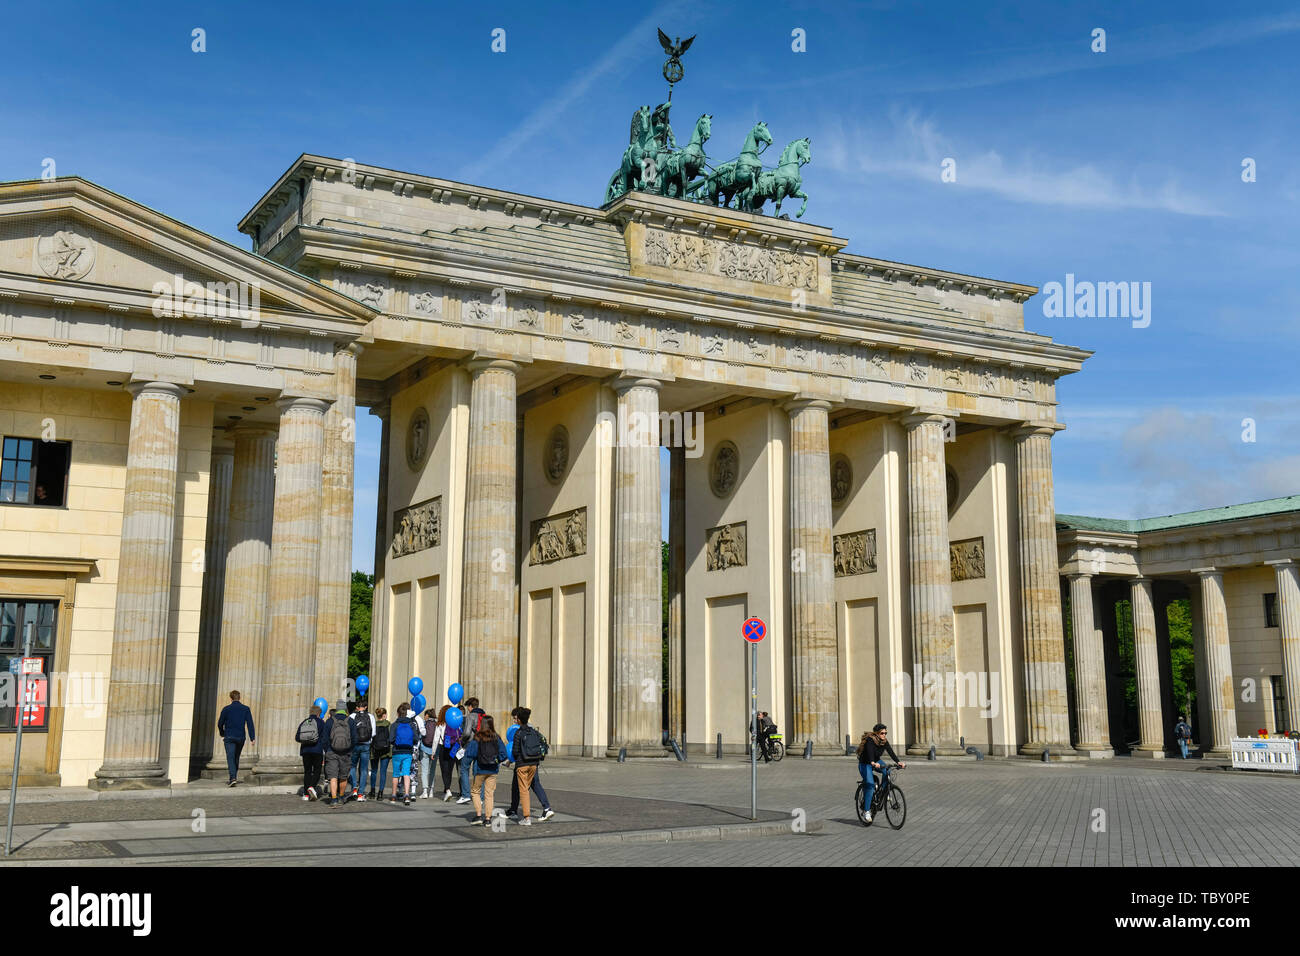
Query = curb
x=739 y=831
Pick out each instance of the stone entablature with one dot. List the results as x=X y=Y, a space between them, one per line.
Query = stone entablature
x=625 y=300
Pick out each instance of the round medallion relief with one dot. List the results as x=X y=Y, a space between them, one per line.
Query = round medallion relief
x=841 y=480
x=952 y=490
x=556 y=461
x=417 y=439
x=65 y=255
x=724 y=471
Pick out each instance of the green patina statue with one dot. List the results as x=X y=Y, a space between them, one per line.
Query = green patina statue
x=653 y=163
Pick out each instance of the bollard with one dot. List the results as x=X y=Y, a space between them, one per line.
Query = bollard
x=719 y=746
x=807 y=750
x=622 y=754
x=848 y=745
x=976 y=751
x=663 y=737
x=931 y=755
x=1047 y=755
x=677 y=750
x=961 y=742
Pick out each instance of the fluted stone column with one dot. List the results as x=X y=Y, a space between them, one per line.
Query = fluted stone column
x=214 y=583
x=289 y=654
x=637 y=624
x=934 y=653
x=1218 y=662
x=1147 y=664
x=814 y=645
x=336 y=529
x=489 y=653
x=1288 y=619
x=248 y=570
x=1089 y=671
x=1047 y=706
x=379 y=603
x=133 y=731
x=677 y=592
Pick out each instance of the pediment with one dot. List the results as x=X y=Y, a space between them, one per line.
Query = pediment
x=92 y=244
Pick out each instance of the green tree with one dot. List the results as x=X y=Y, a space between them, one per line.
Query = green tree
x=363 y=593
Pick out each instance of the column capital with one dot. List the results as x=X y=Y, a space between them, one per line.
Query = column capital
x=802 y=401
x=297 y=401
x=479 y=364
x=921 y=416
x=1030 y=429
x=1210 y=572
x=227 y=450
x=239 y=430
x=1280 y=563
x=353 y=349
x=631 y=378
x=1141 y=579
x=1075 y=575
x=143 y=386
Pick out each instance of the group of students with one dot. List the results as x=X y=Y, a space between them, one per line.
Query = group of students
x=361 y=747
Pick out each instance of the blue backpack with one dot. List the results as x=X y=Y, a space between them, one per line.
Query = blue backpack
x=404 y=733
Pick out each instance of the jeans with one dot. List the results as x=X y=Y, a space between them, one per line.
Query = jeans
x=535 y=786
x=464 y=776
x=1182 y=745
x=379 y=772
x=360 y=767
x=233 y=750
x=870 y=780
x=426 y=768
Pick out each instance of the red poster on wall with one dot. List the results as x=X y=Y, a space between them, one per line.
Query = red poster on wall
x=34 y=698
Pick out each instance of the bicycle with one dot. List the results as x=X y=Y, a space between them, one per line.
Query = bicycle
x=887 y=796
x=775 y=747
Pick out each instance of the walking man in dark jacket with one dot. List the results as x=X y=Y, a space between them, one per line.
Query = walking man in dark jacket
x=1183 y=731
x=234 y=718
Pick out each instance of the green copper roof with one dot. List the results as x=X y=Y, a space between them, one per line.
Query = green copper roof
x=1252 y=509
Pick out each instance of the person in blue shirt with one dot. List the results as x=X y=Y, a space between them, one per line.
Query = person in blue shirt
x=234 y=718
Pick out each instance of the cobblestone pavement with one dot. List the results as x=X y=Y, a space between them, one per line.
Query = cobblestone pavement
x=960 y=813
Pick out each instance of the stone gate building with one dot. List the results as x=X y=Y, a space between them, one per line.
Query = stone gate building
x=858 y=452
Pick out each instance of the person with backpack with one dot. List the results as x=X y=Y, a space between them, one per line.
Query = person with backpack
x=485 y=751
x=405 y=737
x=429 y=741
x=448 y=742
x=473 y=716
x=365 y=727
x=381 y=751
x=527 y=752
x=341 y=735
x=1183 y=732
x=311 y=739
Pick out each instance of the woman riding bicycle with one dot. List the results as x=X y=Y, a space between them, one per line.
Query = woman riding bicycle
x=870 y=750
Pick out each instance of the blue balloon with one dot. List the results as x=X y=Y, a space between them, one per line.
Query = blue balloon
x=363 y=684
x=322 y=703
x=417 y=703
x=455 y=718
x=455 y=693
x=510 y=734
x=415 y=685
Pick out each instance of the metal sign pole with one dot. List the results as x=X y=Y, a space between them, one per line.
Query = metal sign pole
x=753 y=731
x=18 y=743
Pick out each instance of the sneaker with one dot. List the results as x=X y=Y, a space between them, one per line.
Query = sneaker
x=328 y=801
x=306 y=798
x=462 y=799
x=525 y=822
x=232 y=783
x=548 y=813
x=355 y=793
x=311 y=792
x=867 y=816
x=446 y=796
x=512 y=814
x=393 y=798
x=361 y=798
x=476 y=822
x=406 y=802
x=371 y=795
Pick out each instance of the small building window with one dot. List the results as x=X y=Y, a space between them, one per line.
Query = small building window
x=34 y=472
x=1270 y=610
x=1279 y=704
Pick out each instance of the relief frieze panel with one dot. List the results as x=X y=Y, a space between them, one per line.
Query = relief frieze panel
x=855 y=553
x=726 y=547
x=417 y=528
x=967 y=559
x=559 y=536
x=681 y=251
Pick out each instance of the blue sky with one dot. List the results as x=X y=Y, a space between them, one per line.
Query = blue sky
x=1117 y=166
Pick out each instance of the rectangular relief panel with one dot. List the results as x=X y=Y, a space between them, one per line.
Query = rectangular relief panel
x=967 y=559
x=417 y=528
x=855 y=553
x=558 y=536
x=726 y=547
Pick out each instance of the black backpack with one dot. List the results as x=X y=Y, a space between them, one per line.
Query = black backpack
x=488 y=759
x=532 y=746
x=363 y=727
x=380 y=744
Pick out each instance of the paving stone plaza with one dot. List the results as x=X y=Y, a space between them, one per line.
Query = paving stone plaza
x=960 y=813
